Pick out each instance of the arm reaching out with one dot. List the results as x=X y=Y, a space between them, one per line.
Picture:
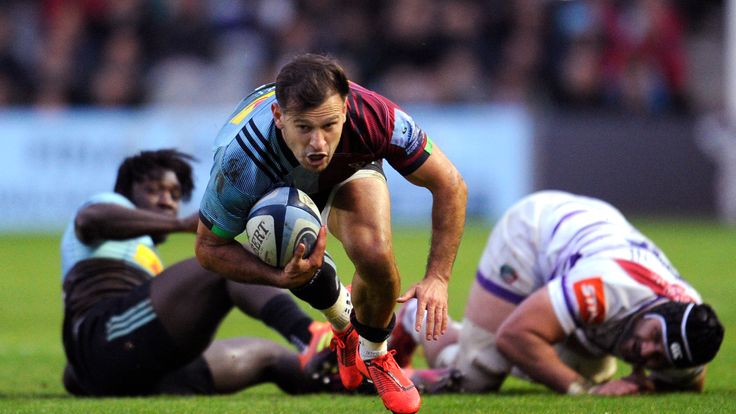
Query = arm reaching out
x=449 y=199
x=107 y=221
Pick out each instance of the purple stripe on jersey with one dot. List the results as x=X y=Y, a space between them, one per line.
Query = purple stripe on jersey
x=568 y=302
x=570 y=243
x=498 y=290
x=565 y=217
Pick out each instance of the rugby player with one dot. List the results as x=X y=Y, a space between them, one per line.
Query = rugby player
x=317 y=131
x=565 y=287
x=134 y=327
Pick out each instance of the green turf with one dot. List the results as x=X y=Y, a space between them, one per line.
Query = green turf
x=31 y=357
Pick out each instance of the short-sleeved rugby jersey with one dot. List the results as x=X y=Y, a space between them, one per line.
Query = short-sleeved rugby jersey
x=599 y=270
x=251 y=156
x=139 y=252
x=602 y=270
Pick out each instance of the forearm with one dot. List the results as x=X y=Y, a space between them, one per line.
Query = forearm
x=448 y=223
x=233 y=261
x=538 y=359
x=112 y=222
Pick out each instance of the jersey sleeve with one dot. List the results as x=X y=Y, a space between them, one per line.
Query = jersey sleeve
x=409 y=146
x=394 y=134
x=224 y=207
x=595 y=292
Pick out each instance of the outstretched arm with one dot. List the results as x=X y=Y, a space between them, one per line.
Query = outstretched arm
x=108 y=221
x=449 y=199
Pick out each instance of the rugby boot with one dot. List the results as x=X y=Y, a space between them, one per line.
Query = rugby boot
x=345 y=345
x=435 y=380
x=321 y=338
x=397 y=392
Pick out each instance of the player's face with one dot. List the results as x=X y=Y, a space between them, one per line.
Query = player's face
x=313 y=135
x=643 y=344
x=158 y=192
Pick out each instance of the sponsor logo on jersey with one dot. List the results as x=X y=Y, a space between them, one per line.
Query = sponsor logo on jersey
x=405 y=130
x=591 y=300
x=508 y=274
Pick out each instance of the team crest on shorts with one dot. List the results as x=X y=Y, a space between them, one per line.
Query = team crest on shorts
x=508 y=274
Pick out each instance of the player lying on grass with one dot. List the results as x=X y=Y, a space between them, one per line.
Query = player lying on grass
x=315 y=130
x=564 y=287
x=133 y=327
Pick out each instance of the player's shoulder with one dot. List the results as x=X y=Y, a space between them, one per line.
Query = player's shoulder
x=601 y=289
x=108 y=197
x=366 y=101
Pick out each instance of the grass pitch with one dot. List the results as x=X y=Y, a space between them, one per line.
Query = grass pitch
x=31 y=356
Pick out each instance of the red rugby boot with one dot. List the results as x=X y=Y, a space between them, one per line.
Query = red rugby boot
x=345 y=345
x=397 y=392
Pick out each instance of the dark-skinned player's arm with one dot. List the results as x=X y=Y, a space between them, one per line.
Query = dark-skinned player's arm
x=449 y=199
x=232 y=260
x=109 y=221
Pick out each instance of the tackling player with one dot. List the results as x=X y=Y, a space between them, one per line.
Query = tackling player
x=565 y=285
x=134 y=327
x=315 y=130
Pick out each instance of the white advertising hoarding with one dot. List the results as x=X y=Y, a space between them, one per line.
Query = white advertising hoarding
x=53 y=161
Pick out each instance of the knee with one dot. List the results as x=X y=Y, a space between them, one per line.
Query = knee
x=370 y=250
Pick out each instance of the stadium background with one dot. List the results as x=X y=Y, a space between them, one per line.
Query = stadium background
x=625 y=100
x=630 y=100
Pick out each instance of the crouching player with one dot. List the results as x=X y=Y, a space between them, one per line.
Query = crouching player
x=565 y=286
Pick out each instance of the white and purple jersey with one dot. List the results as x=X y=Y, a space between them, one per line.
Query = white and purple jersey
x=598 y=268
x=252 y=158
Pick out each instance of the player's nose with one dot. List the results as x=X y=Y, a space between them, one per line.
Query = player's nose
x=165 y=200
x=317 y=140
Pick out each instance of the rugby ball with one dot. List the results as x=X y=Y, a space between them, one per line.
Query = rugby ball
x=279 y=221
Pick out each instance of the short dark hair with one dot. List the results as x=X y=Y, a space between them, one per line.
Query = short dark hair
x=150 y=164
x=306 y=81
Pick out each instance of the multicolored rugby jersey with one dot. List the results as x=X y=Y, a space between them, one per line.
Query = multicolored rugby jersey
x=600 y=271
x=139 y=252
x=252 y=158
x=111 y=268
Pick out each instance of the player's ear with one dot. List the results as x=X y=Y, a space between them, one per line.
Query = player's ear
x=277 y=115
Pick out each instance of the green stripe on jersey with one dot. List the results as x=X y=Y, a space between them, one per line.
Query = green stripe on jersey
x=222 y=233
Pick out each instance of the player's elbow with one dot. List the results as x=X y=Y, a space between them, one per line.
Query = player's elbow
x=85 y=225
x=457 y=185
x=203 y=253
x=462 y=189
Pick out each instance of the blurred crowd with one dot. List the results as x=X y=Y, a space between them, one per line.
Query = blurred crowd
x=630 y=55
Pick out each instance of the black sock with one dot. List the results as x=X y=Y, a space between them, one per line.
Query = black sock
x=285 y=316
x=322 y=290
x=371 y=333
